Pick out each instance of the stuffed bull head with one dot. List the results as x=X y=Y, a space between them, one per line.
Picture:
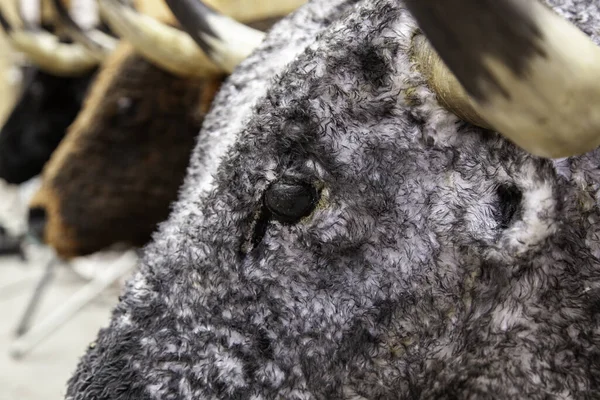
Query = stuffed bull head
x=123 y=160
x=359 y=241
x=53 y=89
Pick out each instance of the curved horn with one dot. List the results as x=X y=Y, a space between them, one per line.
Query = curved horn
x=225 y=40
x=445 y=85
x=97 y=42
x=45 y=50
x=167 y=47
x=250 y=11
x=529 y=73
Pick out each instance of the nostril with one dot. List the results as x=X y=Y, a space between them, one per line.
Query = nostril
x=509 y=198
x=37 y=222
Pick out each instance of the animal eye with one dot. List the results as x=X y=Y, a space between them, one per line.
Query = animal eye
x=289 y=201
x=125 y=105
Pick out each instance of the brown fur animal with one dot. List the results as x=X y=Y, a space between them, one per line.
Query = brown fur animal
x=115 y=174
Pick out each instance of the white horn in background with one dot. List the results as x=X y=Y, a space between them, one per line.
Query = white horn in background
x=225 y=40
x=47 y=52
x=164 y=45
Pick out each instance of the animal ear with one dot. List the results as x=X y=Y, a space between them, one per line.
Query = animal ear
x=47 y=52
x=97 y=42
x=515 y=66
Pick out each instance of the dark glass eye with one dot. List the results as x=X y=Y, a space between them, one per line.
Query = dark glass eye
x=126 y=106
x=290 y=201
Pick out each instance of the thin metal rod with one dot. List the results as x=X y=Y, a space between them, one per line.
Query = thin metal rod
x=39 y=290
x=56 y=319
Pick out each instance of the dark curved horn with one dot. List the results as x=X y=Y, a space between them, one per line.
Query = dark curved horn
x=526 y=71
x=96 y=41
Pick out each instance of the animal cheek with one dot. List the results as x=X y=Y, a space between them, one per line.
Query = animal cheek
x=339 y=231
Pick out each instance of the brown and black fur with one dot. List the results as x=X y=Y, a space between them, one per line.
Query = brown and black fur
x=113 y=178
x=121 y=164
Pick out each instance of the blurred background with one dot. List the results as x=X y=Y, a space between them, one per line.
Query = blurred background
x=91 y=158
x=42 y=373
x=41 y=340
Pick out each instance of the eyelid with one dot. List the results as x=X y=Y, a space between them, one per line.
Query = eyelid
x=262 y=217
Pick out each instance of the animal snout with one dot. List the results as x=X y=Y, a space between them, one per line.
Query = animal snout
x=36 y=221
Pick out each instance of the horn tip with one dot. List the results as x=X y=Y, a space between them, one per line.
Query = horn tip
x=63 y=15
x=5 y=24
x=193 y=17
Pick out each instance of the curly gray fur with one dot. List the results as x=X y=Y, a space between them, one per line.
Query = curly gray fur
x=441 y=263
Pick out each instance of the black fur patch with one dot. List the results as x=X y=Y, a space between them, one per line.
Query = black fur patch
x=39 y=121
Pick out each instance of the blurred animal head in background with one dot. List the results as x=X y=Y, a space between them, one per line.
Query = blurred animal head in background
x=47 y=106
x=123 y=160
x=358 y=240
x=53 y=89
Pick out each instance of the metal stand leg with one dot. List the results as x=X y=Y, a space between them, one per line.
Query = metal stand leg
x=39 y=290
x=50 y=324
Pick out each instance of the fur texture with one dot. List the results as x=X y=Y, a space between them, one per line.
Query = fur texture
x=441 y=263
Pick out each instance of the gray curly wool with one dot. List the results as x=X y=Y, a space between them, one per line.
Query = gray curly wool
x=441 y=263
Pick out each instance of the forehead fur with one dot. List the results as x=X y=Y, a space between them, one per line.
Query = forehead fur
x=442 y=262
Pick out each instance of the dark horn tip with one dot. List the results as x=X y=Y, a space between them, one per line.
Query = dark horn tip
x=62 y=12
x=75 y=31
x=65 y=18
x=5 y=24
x=191 y=14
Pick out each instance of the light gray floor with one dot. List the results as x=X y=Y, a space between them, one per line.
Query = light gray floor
x=43 y=373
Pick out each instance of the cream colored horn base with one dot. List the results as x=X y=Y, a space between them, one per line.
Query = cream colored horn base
x=555 y=110
x=49 y=54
